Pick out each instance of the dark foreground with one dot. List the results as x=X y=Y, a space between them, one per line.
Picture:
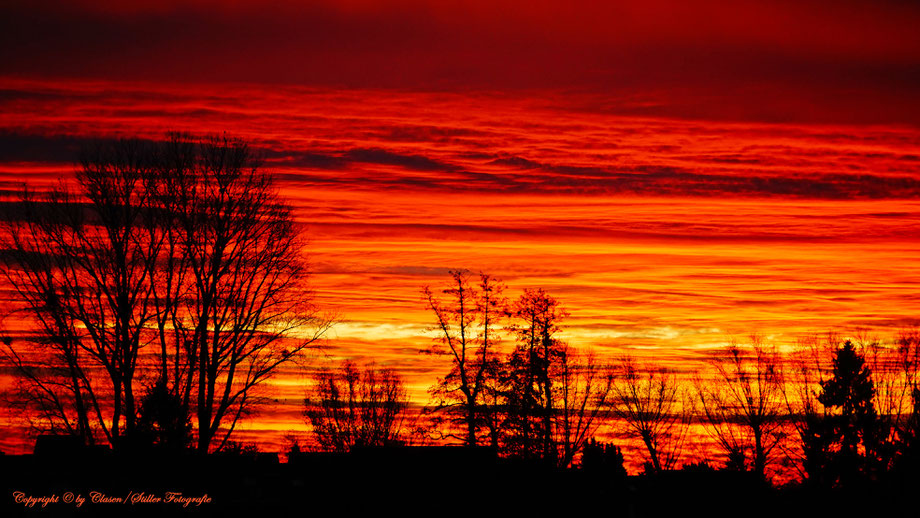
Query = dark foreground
x=408 y=481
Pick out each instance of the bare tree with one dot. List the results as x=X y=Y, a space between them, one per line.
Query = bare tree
x=895 y=368
x=653 y=409
x=351 y=407
x=183 y=244
x=544 y=402
x=892 y=398
x=246 y=305
x=908 y=357
x=742 y=406
x=82 y=265
x=466 y=325
x=807 y=369
x=583 y=388
x=908 y=428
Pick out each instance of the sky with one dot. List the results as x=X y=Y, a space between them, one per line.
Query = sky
x=804 y=60
x=677 y=174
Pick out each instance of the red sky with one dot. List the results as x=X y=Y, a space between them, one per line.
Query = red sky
x=838 y=61
x=677 y=175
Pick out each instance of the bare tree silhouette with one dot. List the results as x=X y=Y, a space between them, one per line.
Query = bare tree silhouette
x=544 y=401
x=244 y=305
x=654 y=410
x=82 y=264
x=908 y=426
x=806 y=370
x=467 y=326
x=742 y=406
x=582 y=389
x=351 y=407
x=182 y=245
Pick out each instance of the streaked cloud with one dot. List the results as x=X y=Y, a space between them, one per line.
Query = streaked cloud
x=663 y=237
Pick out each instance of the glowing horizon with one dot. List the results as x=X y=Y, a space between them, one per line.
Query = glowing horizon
x=664 y=237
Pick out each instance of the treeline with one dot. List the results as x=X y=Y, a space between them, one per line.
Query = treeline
x=540 y=401
x=835 y=412
x=166 y=283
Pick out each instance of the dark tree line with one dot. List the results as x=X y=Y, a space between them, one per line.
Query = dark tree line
x=843 y=413
x=845 y=440
x=173 y=266
x=167 y=282
x=513 y=385
x=539 y=400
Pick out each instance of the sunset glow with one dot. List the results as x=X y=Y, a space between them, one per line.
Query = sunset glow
x=732 y=192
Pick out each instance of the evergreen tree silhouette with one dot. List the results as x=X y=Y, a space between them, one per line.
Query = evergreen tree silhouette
x=854 y=435
x=163 y=421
